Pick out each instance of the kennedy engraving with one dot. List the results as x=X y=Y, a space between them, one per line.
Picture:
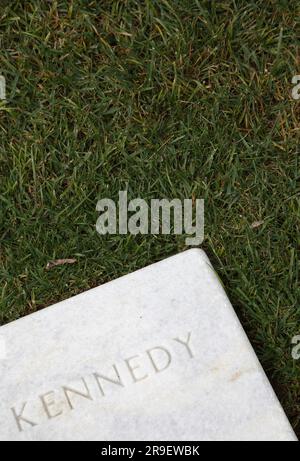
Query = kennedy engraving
x=134 y=370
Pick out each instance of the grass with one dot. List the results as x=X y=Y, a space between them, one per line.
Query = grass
x=167 y=99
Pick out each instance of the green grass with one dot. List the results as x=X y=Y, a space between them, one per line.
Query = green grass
x=168 y=99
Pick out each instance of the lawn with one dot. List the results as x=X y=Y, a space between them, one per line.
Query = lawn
x=174 y=99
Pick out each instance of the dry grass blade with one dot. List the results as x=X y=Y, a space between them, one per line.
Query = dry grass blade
x=60 y=262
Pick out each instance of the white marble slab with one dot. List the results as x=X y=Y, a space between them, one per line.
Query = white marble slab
x=156 y=355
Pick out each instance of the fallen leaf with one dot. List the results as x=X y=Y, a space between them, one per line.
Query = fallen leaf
x=60 y=262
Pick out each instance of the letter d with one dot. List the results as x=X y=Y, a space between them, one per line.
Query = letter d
x=168 y=358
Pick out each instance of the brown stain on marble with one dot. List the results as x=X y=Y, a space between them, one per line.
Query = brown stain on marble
x=239 y=373
x=236 y=376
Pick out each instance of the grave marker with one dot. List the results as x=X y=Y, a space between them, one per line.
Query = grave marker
x=156 y=355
